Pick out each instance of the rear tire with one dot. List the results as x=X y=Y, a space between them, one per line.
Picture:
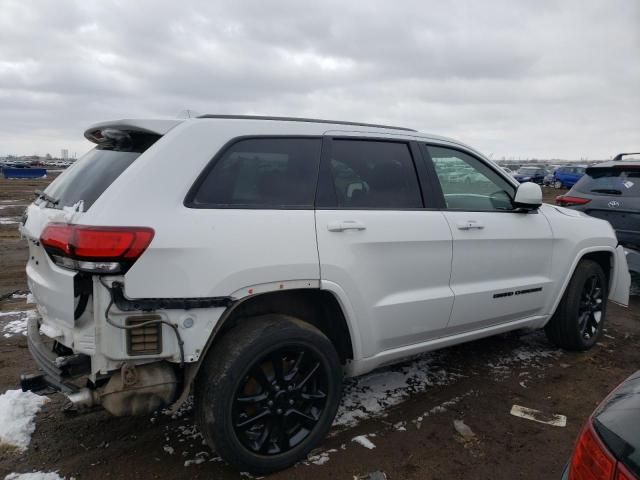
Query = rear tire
x=267 y=393
x=558 y=184
x=579 y=319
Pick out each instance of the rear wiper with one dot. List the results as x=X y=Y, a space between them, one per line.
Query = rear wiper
x=612 y=191
x=48 y=198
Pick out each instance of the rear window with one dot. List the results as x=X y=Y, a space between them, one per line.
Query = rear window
x=92 y=174
x=262 y=173
x=610 y=181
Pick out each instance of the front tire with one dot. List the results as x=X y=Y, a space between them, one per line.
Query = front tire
x=558 y=184
x=268 y=392
x=579 y=320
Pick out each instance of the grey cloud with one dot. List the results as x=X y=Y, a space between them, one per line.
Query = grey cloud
x=528 y=78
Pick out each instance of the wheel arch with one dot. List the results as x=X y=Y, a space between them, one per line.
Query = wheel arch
x=318 y=307
x=604 y=256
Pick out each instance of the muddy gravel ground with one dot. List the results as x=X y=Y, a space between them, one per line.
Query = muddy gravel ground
x=408 y=412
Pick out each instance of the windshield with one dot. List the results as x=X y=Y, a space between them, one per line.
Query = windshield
x=611 y=181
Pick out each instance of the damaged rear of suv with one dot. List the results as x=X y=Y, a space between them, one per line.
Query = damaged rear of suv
x=69 y=258
x=255 y=261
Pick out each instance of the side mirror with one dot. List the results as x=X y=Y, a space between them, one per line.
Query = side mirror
x=528 y=196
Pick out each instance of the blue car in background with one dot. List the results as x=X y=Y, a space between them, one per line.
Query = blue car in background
x=530 y=174
x=567 y=176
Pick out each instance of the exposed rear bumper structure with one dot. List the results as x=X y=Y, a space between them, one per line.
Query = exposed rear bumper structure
x=136 y=389
x=57 y=372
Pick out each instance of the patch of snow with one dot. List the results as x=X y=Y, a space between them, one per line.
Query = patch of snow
x=400 y=426
x=9 y=220
x=31 y=298
x=14 y=323
x=364 y=441
x=370 y=395
x=441 y=408
x=200 y=457
x=17 y=412
x=35 y=476
x=320 y=458
x=534 y=353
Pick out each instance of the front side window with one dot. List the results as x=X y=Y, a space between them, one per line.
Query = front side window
x=263 y=173
x=373 y=175
x=469 y=184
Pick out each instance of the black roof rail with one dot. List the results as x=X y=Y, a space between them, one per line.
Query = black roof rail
x=619 y=156
x=308 y=120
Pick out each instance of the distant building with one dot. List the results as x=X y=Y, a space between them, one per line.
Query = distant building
x=65 y=154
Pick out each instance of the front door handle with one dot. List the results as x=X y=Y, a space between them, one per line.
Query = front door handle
x=470 y=225
x=345 y=225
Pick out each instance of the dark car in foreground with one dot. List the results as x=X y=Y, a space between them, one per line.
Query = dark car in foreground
x=530 y=174
x=611 y=191
x=608 y=447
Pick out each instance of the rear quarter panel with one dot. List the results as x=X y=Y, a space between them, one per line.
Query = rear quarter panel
x=204 y=252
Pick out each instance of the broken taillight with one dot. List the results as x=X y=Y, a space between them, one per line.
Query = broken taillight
x=95 y=249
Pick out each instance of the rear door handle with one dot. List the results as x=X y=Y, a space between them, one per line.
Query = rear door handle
x=345 y=225
x=470 y=225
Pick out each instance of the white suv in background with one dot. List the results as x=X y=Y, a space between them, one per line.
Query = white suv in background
x=254 y=261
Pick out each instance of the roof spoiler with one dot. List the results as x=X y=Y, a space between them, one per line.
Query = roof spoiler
x=619 y=156
x=153 y=126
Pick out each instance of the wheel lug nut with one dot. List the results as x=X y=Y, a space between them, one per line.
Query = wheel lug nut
x=289 y=388
x=291 y=402
x=279 y=411
x=277 y=388
x=270 y=403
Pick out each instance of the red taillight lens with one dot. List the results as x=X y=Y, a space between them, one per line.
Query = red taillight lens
x=591 y=460
x=102 y=243
x=566 y=200
x=107 y=249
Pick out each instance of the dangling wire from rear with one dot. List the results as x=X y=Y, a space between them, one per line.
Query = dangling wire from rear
x=143 y=324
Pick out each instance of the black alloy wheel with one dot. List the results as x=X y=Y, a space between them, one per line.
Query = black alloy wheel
x=280 y=400
x=590 y=308
x=580 y=317
x=267 y=392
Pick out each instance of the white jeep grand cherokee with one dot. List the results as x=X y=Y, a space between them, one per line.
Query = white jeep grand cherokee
x=254 y=261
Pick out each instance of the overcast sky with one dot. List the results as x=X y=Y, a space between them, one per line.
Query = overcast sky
x=514 y=78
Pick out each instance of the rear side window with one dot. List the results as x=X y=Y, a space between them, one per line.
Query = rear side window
x=92 y=174
x=615 y=181
x=262 y=173
x=373 y=174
